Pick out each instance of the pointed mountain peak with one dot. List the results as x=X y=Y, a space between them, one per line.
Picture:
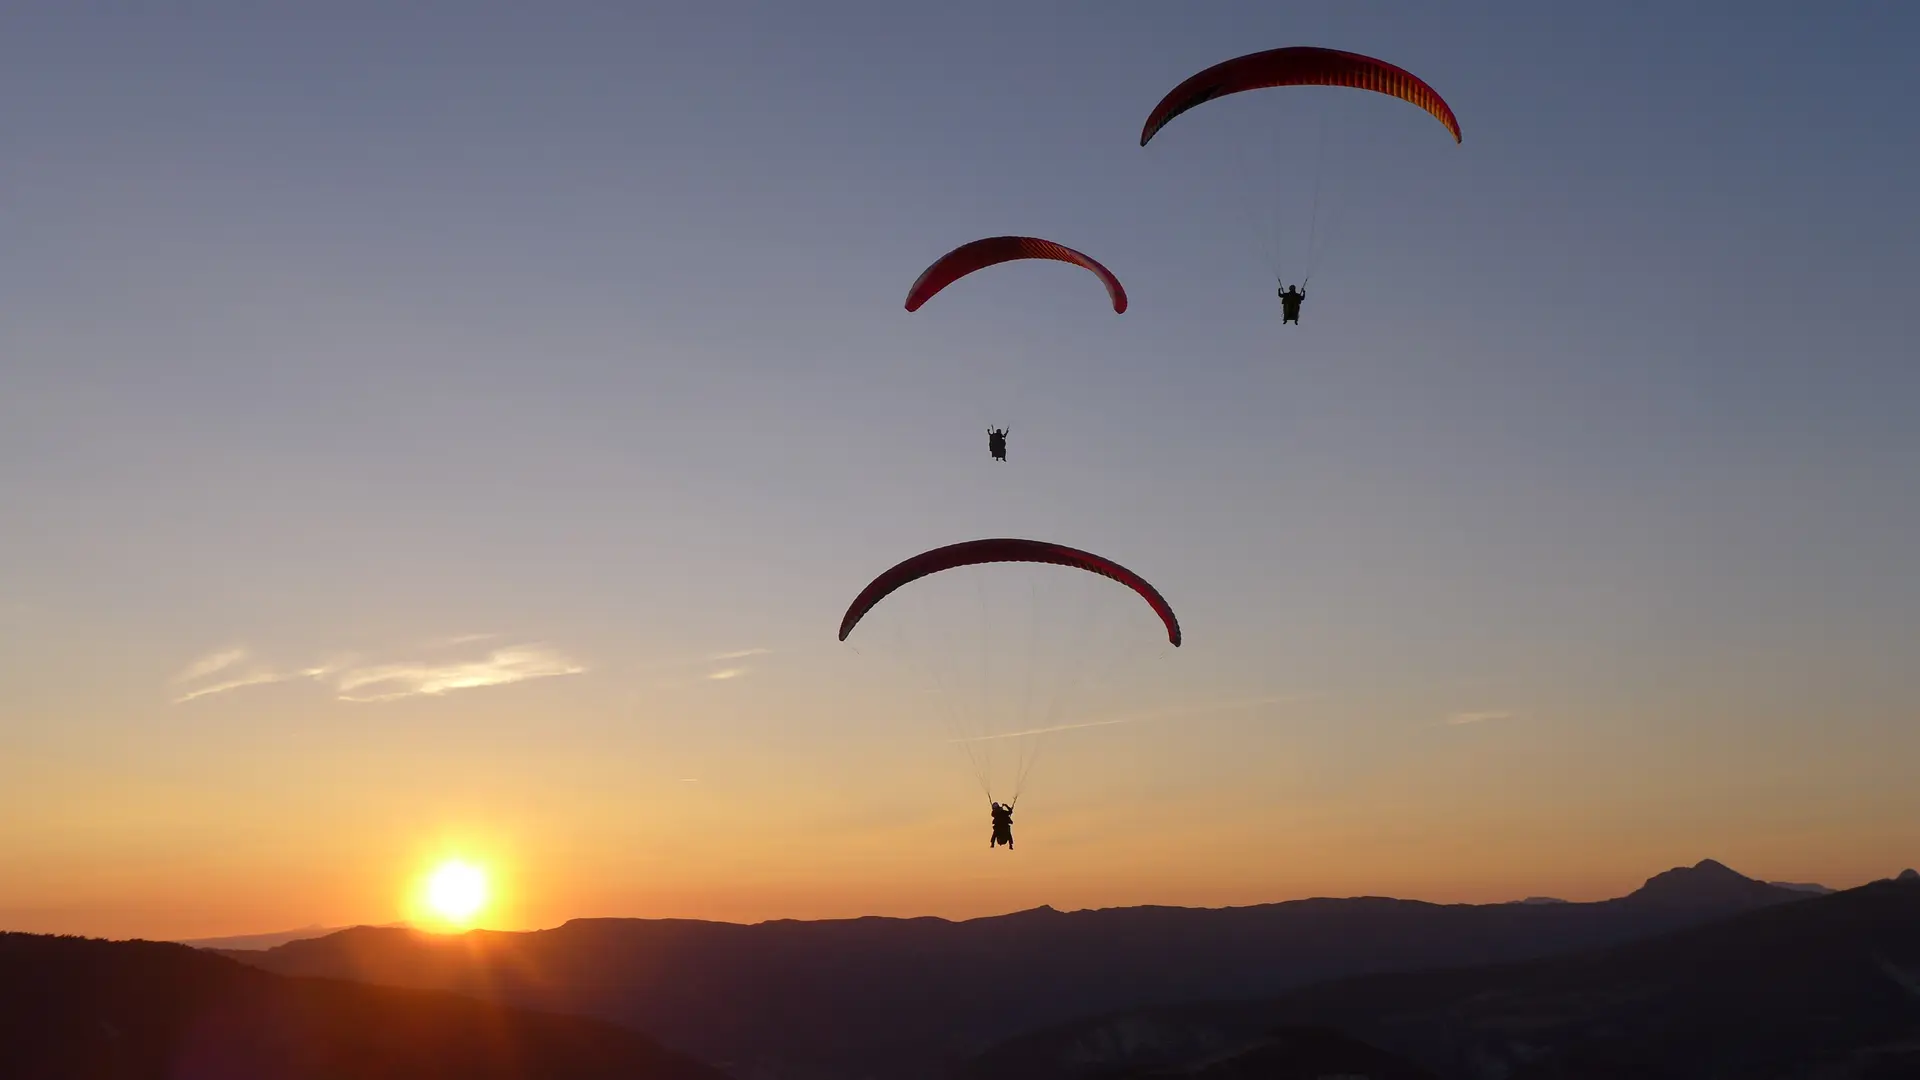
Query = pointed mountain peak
x=1708 y=883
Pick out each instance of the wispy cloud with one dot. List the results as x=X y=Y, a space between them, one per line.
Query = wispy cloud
x=1458 y=718
x=739 y=654
x=258 y=678
x=733 y=671
x=226 y=662
x=387 y=682
x=1145 y=717
x=218 y=660
x=359 y=682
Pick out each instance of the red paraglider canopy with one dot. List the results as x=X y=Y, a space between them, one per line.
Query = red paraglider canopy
x=981 y=254
x=1299 y=65
x=976 y=552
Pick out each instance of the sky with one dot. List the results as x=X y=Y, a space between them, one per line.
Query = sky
x=459 y=430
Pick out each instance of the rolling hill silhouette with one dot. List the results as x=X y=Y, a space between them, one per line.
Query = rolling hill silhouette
x=917 y=997
x=265 y=941
x=84 y=1009
x=1828 y=988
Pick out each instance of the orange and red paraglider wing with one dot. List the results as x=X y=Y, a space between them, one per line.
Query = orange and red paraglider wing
x=976 y=552
x=981 y=254
x=1299 y=65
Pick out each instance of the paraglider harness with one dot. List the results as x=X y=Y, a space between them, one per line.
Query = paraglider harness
x=1002 y=824
x=1290 y=303
x=997 y=443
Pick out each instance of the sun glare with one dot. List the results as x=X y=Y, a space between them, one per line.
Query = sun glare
x=457 y=891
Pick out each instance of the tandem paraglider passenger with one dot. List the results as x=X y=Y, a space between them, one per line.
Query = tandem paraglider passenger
x=997 y=443
x=1290 y=298
x=943 y=646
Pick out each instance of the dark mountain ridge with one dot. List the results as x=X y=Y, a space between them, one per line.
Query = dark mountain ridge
x=915 y=997
x=84 y=1009
x=1829 y=988
x=268 y=940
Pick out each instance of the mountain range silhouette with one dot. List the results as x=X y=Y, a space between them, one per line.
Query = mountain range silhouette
x=916 y=998
x=1826 y=988
x=1701 y=972
x=83 y=1009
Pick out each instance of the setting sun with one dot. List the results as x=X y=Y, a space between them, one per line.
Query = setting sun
x=489 y=594
x=457 y=891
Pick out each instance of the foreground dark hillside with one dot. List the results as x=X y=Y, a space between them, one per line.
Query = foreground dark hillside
x=916 y=997
x=83 y=1009
x=1829 y=988
x=1287 y=1053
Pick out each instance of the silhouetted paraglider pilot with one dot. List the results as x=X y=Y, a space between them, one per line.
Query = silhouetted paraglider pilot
x=1290 y=298
x=1002 y=827
x=997 y=443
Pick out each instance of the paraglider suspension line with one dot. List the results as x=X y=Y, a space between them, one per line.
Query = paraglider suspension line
x=1313 y=211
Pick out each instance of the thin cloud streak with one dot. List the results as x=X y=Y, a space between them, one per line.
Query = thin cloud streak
x=390 y=682
x=1459 y=718
x=258 y=678
x=739 y=653
x=501 y=667
x=214 y=661
x=1141 y=718
x=728 y=673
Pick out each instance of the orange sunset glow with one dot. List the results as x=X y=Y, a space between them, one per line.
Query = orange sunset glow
x=848 y=541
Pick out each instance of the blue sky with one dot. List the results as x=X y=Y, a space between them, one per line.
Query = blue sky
x=330 y=335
